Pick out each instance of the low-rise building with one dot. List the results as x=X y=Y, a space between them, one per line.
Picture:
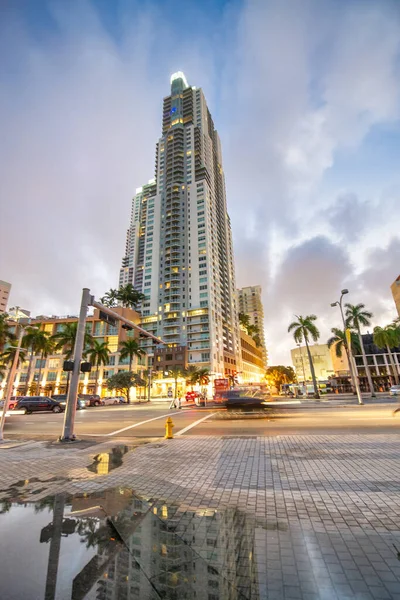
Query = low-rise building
x=53 y=379
x=322 y=360
x=253 y=366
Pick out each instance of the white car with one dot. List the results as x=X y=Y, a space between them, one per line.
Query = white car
x=394 y=390
x=109 y=400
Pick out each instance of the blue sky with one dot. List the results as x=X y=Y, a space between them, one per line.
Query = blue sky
x=305 y=96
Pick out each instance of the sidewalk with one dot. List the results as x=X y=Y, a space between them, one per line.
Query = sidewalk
x=316 y=516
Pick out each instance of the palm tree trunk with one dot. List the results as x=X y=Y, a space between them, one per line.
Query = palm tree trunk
x=39 y=376
x=394 y=370
x=97 y=377
x=314 y=379
x=176 y=387
x=366 y=366
x=28 y=375
x=130 y=362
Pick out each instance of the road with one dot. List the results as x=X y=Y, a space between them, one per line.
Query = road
x=121 y=422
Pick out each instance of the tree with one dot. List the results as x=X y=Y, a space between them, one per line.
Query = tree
x=203 y=376
x=98 y=354
x=280 y=375
x=110 y=298
x=7 y=358
x=6 y=336
x=191 y=375
x=244 y=320
x=33 y=340
x=130 y=348
x=176 y=372
x=45 y=347
x=304 y=328
x=339 y=341
x=123 y=381
x=65 y=341
x=257 y=339
x=129 y=297
x=388 y=337
x=357 y=317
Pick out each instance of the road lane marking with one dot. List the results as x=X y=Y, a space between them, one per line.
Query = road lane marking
x=141 y=423
x=185 y=429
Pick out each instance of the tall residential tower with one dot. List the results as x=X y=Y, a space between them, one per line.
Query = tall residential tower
x=179 y=243
x=250 y=303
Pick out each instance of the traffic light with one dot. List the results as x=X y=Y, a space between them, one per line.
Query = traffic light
x=86 y=367
x=68 y=365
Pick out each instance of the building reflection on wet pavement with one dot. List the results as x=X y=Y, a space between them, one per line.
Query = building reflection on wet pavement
x=116 y=545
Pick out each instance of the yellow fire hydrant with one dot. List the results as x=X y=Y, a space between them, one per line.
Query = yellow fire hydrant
x=168 y=429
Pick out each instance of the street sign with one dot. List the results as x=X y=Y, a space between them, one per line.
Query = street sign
x=107 y=318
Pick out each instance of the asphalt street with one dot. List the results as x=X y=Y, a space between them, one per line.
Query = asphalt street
x=120 y=422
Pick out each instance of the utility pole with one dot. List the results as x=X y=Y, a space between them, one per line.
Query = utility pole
x=10 y=383
x=352 y=362
x=68 y=434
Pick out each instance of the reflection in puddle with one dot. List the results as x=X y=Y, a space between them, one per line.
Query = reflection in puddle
x=105 y=462
x=116 y=545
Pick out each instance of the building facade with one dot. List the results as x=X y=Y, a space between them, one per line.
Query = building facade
x=252 y=368
x=179 y=245
x=5 y=289
x=395 y=287
x=322 y=360
x=53 y=379
x=250 y=303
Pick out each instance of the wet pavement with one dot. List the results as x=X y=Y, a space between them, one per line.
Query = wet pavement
x=309 y=517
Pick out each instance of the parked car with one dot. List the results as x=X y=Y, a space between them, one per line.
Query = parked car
x=91 y=399
x=122 y=399
x=11 y=404
x=109 y=400
x=191 y=396
x=394 y=390
x=30 y=404
x=80 y=402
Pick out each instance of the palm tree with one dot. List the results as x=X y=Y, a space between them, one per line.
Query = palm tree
x=191 y=375
x=110 y=298
x=130 y=348
x=244 y=320
x=388 y=337
x=5 y=334
x=129 y=297
x=304 y=328
x=176 y=372
x=33 y=340
x=98 y=355
x=65 y=341
x=339 y=341
x=357 y=316
x=7 y=358
x=203 y=376
x=46 y=347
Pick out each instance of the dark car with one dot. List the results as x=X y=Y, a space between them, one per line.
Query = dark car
x=80 y=402
x=30 y=404
x=91 y=399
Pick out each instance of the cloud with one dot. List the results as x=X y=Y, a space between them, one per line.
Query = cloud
x=291 y=87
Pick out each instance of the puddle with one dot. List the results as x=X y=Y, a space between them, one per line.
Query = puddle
x=104 y=462
x=116 y=544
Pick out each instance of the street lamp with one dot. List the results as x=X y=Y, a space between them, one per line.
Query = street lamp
x=352 y=365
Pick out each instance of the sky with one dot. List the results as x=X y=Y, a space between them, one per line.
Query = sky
x=306 y=99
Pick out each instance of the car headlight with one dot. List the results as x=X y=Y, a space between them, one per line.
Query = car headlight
x=63 y=403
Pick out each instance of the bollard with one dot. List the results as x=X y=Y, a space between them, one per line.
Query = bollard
x=168 y=429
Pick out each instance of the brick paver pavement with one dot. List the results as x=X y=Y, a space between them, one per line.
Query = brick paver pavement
x=319 y=516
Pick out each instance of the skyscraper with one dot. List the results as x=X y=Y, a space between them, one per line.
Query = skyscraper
x=250 y=303
x=5 y=288
x=179 y=244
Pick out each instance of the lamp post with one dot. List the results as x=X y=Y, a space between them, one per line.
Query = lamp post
x=352 y=365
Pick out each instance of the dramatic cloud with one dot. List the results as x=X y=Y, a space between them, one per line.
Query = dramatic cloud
x=296 y=91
